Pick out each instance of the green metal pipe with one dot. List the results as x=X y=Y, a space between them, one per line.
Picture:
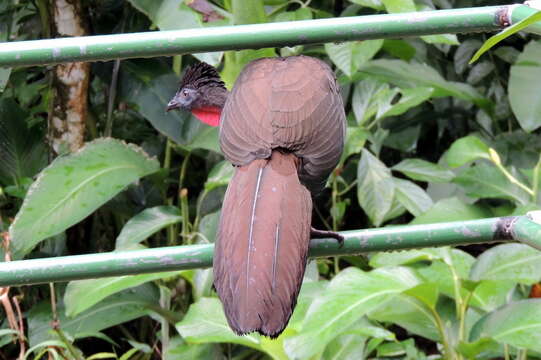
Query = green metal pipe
x=158 y=43
x=35 y=271
x=522 y=12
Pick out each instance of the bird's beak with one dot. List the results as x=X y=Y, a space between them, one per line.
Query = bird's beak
x=173 y=104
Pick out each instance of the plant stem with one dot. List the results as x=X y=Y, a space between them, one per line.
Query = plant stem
x=495 y=158
x=506 y=352
x=535 y=184
x=165 y=303
x=462 y=316
x=177 y=64
x=348 y=188
x=521 y=354
x=171 y=229
x=441 y=329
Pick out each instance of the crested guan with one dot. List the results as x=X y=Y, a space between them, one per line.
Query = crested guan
x=282 y=126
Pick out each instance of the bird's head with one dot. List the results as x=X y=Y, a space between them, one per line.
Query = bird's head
x=201 y=92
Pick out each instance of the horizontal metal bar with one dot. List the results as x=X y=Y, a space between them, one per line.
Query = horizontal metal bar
x=35 y=271
x=158 y=43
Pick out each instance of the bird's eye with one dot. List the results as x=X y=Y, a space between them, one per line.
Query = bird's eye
x=184 y=93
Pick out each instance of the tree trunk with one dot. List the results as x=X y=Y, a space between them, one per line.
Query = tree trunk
x=70 y=82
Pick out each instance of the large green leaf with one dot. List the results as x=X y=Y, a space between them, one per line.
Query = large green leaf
x=489 y=295
x=114 y=310
x=466 y=149
x=349 y=56
x=150 y=86
x=412 y=196
x=146 y=223
x=205 y=322
x=365 y=98
x=83 y=294
x=486 y=181
x=451 y=209
x=513 y=262
x=517 y=324
x=350 y=294
x=409 y=313
x=22 y=150
x=423 y=170
x=73 y=186
x=409 y=98
x=412 y=75
x=375 y=187
x=346 y=346
x=525 y=87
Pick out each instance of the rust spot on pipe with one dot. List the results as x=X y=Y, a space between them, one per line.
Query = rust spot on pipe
x=504 y=228
x=503 y=17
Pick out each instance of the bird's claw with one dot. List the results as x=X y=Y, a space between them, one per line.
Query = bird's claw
x=319 y=234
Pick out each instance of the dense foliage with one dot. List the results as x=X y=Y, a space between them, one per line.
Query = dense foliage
x=430 y=139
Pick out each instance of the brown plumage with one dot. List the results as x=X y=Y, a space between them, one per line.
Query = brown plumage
x=283 y=128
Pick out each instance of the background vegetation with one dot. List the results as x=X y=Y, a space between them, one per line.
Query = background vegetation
x=430 y=138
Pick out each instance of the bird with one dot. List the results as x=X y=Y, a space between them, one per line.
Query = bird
x=282 y=127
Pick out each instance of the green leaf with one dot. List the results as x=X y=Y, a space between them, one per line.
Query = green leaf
x=146 y=223
x=73 y=186
x=220 y=175
x=493 y=40
x=22 y=150
x=487 y=181
x=491 y=294
x=451 y=209
x=407 y=257
x=375 y=187
x=114 y=310
x=463 y=53
x=517 y=324
x=422 y=170
x=365 y=99
x=4 y=77
x=449 y=39
x=346 y=346
x=398 y=6
x=485 y=346
x=244 y=12
x=179 y=349
x=176 y=15
x=349 y=56
x=512 y=262
x=350 y=294
x=427 y=293
x=409 y=98
x=412 y=197
x=409 y=313
x=374 y=4
x=355 y=140
x=525 y=87
x=205 y=323
x=399 y=48
x=80 y=295
x=466 y=149
x=406 y=75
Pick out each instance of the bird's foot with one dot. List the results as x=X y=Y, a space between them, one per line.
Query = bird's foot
x=319 y=234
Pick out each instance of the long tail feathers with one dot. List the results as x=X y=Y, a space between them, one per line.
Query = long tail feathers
x=262 y=245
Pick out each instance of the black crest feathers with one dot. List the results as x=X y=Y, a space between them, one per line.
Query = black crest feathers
x=201 y=75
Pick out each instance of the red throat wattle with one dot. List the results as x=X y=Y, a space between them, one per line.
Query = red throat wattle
x=208 y=115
